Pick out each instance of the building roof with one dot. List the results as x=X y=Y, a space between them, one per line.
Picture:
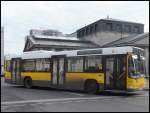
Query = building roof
x=56 y=42
x=132 y=39
x=118 y=20
x=56 y=37
x=110 y=19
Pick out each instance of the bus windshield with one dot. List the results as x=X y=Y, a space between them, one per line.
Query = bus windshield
x=136 y=66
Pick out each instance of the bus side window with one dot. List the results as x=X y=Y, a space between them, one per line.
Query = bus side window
x=75 y=64
x=28 y=65
x=47 y=65
x=43 y=65
x=93 y=64
x=39 y=65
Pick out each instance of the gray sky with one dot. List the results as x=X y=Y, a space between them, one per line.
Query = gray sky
x=19 y=17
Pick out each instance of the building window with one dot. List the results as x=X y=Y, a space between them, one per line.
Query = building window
x=109 y=26
x=91 y=29
x=83 y=32
x=93 y=64
x=118 y=28
x=87 y=30
x=95 y=27
x=79 y=33
x=127 y=28
x=136 y=29
x=75 y=64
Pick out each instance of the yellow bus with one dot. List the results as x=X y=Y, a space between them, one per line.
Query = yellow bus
x=91 y=70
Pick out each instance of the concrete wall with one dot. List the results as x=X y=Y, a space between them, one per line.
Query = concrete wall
x=104 y=37
x=144 y=41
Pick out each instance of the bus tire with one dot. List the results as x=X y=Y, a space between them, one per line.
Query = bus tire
x=28 y=82
x=91 y=87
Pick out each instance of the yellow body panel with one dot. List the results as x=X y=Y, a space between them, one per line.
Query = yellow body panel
x=99 y=77
x=7 y=75
x=136 y=83
x=38 y=75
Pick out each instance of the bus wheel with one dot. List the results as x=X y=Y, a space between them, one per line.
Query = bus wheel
x=91 y=87
x=28 y=83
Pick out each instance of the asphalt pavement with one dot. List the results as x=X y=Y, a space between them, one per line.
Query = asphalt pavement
x=19 y=99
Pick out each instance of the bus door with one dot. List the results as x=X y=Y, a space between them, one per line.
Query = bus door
x=115 y=74
x=58 y=70
x=16 y=70
x=109 y=72
x=120 y=72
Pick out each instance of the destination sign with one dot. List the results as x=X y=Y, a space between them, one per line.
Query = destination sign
x=99 y=51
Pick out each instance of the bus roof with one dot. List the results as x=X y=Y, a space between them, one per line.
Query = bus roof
x=83 y=52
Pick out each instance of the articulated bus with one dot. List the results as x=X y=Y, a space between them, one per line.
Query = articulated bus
x=91 y=70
